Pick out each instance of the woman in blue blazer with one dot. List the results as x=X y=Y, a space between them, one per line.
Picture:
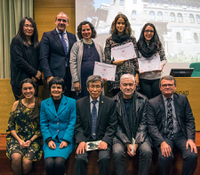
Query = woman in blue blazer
x=57 y=120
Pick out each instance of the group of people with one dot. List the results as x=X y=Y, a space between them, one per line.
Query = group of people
x=131 y=122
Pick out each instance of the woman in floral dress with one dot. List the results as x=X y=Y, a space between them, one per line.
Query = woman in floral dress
x=23 y=142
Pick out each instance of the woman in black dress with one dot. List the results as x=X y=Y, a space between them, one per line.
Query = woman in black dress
x=24 y=51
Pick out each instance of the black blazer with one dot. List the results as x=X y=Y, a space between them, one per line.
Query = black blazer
x=156 y=117
x=52 y=54
x=24 y=61
x=106 y=121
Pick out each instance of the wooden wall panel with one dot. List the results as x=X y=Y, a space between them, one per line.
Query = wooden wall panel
x=45 y=12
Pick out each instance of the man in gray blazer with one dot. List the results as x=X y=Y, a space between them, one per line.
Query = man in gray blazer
x=132 y=124
x=171 y=124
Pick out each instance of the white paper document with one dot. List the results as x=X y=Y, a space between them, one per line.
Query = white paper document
x=105 y=70
x=149 y=64
x=123 y=52
x=93 y=145
x=133 y=143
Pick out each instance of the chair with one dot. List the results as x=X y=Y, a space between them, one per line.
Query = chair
x=196 y=72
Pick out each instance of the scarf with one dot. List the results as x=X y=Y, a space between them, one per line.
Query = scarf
x=120 y=38
x=147 y=50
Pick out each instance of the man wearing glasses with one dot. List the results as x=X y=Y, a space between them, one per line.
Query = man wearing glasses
x=55 y=49
x=95 y=125
x=171 y=124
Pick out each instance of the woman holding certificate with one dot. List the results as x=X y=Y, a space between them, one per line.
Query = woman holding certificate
x=150 y=52
x=121 y=36
x=83 y=55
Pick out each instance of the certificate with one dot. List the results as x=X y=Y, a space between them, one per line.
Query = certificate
x=123 y=52
x=149 y=64
x=105 y=70
x=93 y=145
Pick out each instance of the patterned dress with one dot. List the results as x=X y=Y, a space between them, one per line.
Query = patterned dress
x=25 y=128
x=129 y=66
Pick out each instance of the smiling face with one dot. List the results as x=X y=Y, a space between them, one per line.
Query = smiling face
x=120 y=26
x=56 y=91
x=148 y=33
x=28 y=28
x=94 y=89
x=28 y=90
x=127 y=86
x=86 y=31
x=167 y=87
x=61 y=22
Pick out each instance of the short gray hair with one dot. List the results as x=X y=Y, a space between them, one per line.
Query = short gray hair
x=127 y=76
x=93 y=78
x=63 y=14
x=167 y=77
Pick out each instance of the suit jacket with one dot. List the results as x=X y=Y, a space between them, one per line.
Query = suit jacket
x=52 y=54
x=156 y=117
x=59 y=123
x=24 y=61
x=139 y=120
x=106 y=121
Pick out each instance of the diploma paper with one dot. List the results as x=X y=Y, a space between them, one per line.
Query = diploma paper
x=133 y=143
x=93 y=145
x=105 y=70
x=123 y=52
x=149 y=64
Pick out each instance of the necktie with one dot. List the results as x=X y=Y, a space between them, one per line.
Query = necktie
x=169 y=119
x=63 y=42
x=94 y=119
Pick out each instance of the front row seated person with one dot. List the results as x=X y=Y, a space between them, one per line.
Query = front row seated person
x=57 y=120
x=171 y=124
x=132 y=124
x=96 y=121
x=24 y=142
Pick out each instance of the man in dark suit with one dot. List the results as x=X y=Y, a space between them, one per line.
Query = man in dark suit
x=96 y=121
x=131 y=134
x=55 y=49
x=171 y=124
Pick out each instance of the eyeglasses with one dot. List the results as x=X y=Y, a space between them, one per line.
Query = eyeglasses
x=26 y=25
x=149 y=31
x=169 y=85
x=63 y=20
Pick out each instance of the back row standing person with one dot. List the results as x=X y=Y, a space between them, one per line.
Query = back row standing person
x=55 y=52
x=24 y=51
x=83 y=55
x=121 y=34
x=149 y=47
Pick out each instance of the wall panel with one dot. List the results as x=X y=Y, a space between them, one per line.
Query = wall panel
x=45 y=12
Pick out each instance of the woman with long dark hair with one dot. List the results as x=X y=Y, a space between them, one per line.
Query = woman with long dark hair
x=24 y=140
x=120 y=35
x=24 y=51
x=149 y=46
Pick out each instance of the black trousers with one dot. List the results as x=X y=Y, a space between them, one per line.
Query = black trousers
x=189 y=158
x=103 y=162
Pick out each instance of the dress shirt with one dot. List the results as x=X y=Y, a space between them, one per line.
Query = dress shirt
x=65 y=38
x=97 y=105
x=176 y=126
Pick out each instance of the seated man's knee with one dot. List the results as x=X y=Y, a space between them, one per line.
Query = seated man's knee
x=191 y=156
x=166 y=159
x=81 y=157
x=118 y=150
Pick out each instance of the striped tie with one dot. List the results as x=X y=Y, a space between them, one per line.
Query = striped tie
x=169 y=119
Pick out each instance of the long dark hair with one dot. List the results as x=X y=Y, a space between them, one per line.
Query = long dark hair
x=21 y=35
x=79 y=29
x=127 y=29
x=154 y=41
